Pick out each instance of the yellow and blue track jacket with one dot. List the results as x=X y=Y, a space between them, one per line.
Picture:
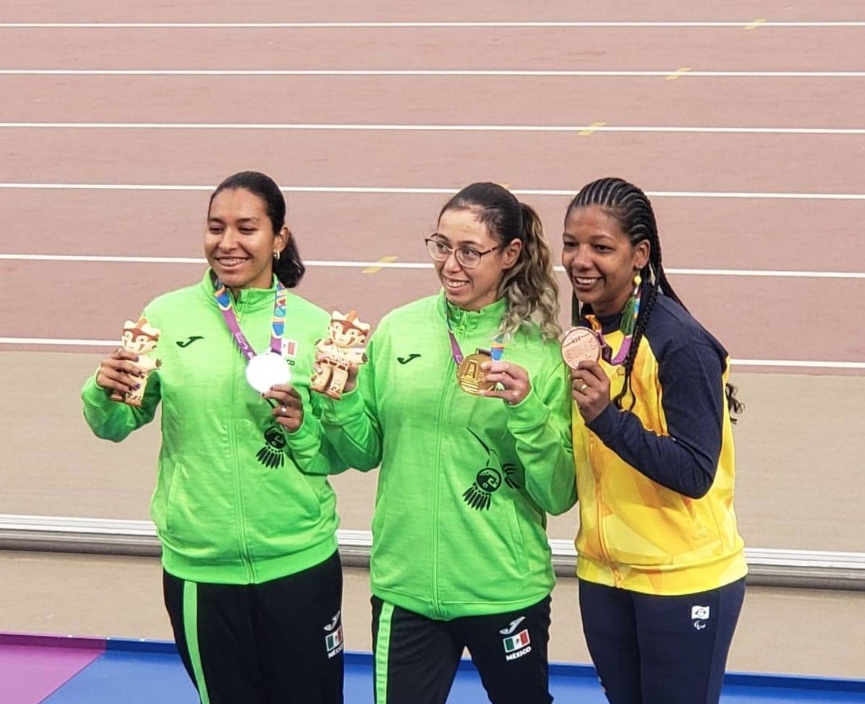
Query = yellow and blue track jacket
x=465 y=482
x=656 y=482
x=238 y=500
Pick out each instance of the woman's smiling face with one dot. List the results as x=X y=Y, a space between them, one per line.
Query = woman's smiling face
x=477 y=287
x=600 y=260
x=240 y=242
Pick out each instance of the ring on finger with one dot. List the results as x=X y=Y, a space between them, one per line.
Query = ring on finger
x=283 y=410
x=583 y=387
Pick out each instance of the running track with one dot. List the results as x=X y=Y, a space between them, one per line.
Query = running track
x=759 y=189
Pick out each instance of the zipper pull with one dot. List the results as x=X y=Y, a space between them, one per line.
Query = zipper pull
x=463 y=324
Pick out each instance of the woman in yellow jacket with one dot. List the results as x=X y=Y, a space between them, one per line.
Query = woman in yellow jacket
x=661 y=564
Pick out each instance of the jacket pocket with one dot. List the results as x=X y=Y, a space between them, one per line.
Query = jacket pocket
x=311 y=496
x=518 y=542
x=170 y=511
x=658 y=527
x=196 y=519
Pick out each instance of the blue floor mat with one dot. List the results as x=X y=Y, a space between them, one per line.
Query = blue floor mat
x=134 y=672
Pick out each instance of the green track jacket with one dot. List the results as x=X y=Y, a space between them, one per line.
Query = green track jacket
x=465 y=482
x=237 y=499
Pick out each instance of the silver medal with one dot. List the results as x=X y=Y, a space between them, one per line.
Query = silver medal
x=266 y=370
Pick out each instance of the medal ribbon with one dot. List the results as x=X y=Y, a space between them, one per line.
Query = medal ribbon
x=223 y=300
x=497 y=349
x=627 y=327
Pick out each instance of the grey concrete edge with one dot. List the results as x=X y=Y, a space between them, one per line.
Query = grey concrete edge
x=802 y=569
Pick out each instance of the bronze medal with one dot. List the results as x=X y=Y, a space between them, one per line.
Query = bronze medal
x=580 y=345
x=470 y=376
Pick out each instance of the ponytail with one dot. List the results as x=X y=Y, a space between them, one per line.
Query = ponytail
x=289 y=268
x=530 y=286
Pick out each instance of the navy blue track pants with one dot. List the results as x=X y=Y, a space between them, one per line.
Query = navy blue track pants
x=651 y=649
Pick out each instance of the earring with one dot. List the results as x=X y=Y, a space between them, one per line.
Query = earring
x=631 y=311
x=276 y=255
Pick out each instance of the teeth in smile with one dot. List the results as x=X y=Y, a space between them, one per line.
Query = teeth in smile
x=584 y=282
x=230 y=262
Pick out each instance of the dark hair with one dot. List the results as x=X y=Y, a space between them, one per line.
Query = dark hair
x=632 y=210
x=289 y=268
x=530 y=285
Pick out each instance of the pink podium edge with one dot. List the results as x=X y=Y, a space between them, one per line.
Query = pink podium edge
x=33 y=666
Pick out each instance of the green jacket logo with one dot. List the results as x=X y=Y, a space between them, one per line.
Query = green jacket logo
x=479 y=495
x=273 y=453
x=188 y=341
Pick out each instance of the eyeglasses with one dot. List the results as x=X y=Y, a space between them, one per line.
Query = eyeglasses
x=467 y=257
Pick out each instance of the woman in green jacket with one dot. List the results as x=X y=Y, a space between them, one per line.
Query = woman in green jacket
x=464 y=405
x=246 y=517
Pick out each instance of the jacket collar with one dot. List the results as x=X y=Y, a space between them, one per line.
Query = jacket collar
x=249 y=298
x=488 y=317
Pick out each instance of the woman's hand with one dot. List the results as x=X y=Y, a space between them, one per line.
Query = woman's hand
x=590 y=388
x=118 y=374
x=351 y=380
x=513 y=379
x=289 y=406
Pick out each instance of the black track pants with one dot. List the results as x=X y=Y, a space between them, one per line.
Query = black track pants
x=279 y=642
x=416 y=658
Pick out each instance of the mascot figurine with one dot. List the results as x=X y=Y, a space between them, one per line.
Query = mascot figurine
x=337 y=352
x=140 y=339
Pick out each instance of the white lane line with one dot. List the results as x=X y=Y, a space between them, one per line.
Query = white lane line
x=56 y=342
x=794 y=363
x=104 y=187
x=351 y=127
x=782 y=363
x=769 y=273
x=507 y=73
x=199 y=260
x=564 y=24
x=385 y=190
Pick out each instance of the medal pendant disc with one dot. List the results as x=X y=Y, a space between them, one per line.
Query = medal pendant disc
x=470 y=376
x=265 y=370
x=580 y=345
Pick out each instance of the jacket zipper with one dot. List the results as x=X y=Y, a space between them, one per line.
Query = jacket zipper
x=599 y=502
x=238 y=484
x=444 y=404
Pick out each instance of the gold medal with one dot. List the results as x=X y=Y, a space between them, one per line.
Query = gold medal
x=580 y=345
x=470 y=376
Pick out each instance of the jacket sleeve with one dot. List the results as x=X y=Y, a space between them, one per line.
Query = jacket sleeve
x=352 y=424
x=310 y=446
x=111 y=420
x=541 y=426
x=685 y=460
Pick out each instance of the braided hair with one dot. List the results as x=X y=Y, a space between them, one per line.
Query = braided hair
x=629 y=206
x=289 y=268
